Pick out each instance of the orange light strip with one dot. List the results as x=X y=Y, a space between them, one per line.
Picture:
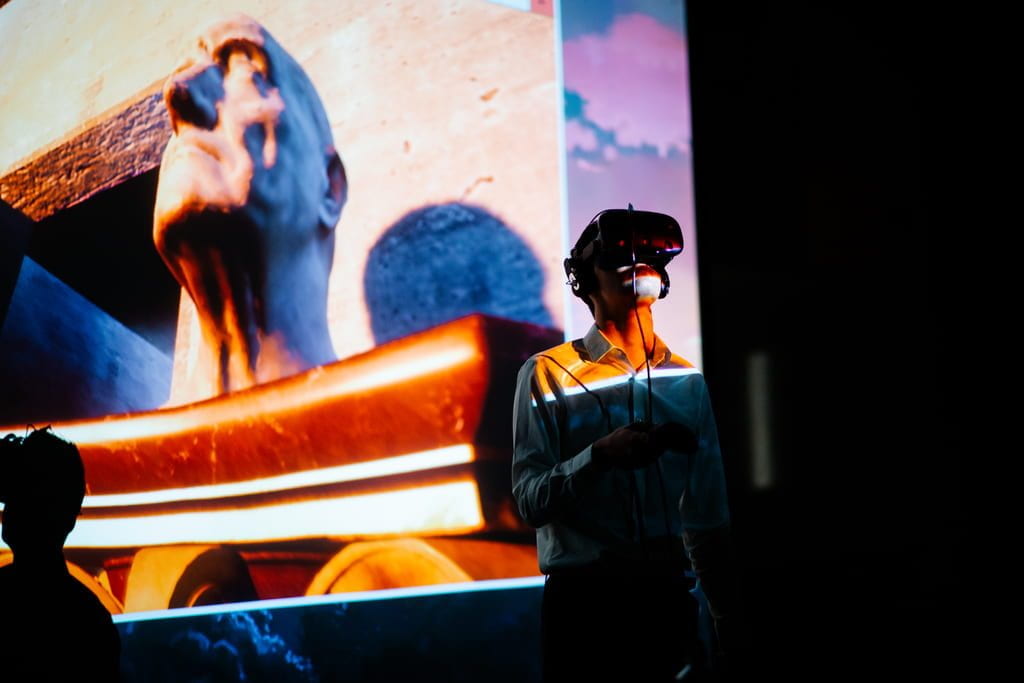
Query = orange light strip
x=442 y=508
x=401 y=464
x=327 y=382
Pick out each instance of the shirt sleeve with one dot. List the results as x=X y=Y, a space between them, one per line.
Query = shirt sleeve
x=704 y=504
x=543 y=484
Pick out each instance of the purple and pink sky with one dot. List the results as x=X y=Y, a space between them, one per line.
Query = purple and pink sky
x=627 y=135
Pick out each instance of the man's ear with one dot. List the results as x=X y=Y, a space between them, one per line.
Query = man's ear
x=336 y=193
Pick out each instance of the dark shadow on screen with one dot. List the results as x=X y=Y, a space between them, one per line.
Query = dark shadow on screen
x=444 y=261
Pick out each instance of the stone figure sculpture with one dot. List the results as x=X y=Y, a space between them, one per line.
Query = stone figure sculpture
x=250 y=190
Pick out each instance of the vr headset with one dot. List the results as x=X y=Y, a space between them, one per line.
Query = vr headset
x=623 y=237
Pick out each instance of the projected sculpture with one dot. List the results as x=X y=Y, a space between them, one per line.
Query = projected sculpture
x=250 y=191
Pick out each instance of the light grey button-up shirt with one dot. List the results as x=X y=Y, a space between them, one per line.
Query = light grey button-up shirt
x=570 y=396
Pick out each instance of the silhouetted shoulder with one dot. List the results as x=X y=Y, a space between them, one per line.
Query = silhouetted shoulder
x=56 y=630
x=99 y=646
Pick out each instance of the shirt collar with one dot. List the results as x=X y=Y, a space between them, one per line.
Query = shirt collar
x=598 y=347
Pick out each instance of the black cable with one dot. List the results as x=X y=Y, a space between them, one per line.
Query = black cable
x=650 y=410
x=604 y=410
x=636 y=312
x=647 y=354
x=632 y=505
x=650 y=387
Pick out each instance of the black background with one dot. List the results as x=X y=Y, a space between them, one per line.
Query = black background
x=813 y=149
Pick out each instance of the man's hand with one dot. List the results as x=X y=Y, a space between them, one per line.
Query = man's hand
x=629 y=447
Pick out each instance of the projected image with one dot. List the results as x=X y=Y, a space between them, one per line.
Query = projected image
x=306 y=387
x=275 y=271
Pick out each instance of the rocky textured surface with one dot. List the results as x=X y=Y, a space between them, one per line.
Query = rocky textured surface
x=114 y=147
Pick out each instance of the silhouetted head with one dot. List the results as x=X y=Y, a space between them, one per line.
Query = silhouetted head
x=42 y=484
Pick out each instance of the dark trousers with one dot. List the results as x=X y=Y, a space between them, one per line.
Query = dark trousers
x=606 y=628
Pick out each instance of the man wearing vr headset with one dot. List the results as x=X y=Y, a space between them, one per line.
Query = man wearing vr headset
x=617 y=465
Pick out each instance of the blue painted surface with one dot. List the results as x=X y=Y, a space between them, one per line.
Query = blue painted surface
x=486 y=634
x=62 y=357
